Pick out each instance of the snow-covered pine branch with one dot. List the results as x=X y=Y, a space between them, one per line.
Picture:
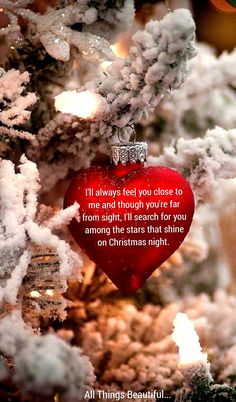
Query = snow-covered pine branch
x=19 y=229
x=158 y=62
x=198 y=104
x=14 y=103
x=202 y=160
x=113 y=17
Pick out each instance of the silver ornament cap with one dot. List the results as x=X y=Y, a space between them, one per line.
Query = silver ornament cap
x=128 y=152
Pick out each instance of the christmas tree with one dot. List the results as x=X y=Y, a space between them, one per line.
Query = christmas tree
x=78 y=79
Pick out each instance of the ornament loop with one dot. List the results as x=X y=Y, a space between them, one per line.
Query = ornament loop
x=128 y=152
x=120 y=137
x=120 y=133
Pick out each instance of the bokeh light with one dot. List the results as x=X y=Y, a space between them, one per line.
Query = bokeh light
x=228 y=6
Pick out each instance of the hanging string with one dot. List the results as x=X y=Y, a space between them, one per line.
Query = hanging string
x=167 y=2
x=120 y=135
x=133 y=135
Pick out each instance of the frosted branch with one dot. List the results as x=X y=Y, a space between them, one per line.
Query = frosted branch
x=75 y=148
x=227 y=64
x=157 y=63
x=44 y=364
x=14 y=103
x=47 y=363
x=13 y=333
x=63 y=217
x=12 y=133
x=202 y=160
x=112 y=17
x=57 y=36
x=44 y=236
x=198 y=104
x=19 y=228
x=15 y=281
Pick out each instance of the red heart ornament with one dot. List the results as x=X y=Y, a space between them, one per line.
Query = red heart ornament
x=132 y=219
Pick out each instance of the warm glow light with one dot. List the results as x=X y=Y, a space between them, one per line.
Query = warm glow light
x=119 y=49
x=35 y=294
x=105 y=65
x=82 y=104
x=49 y=292
x=187 y=340
x=56 y=398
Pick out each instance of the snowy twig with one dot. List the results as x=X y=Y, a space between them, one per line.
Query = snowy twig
x=157 y=63
x=202 y=160
x=12 y=133
x=198 y=104
x=14 y=105
x=63 y=217
x=57 y=36
x=19 y=228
